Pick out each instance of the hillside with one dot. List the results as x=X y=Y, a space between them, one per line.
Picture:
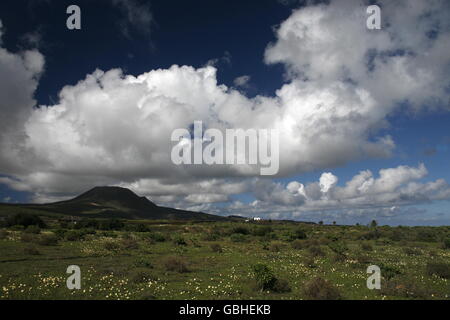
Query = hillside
x=109 y=202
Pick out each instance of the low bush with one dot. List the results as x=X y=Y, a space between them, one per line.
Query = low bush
x=240 y=230
x=111 y=224
x=426 y=235
x=371 y=235
x=276 y=246
x=262 y=231
x=25 y=220
x=33 y=229
x=31 y=250
x=74 y=235
x=60 y=233
x=176 y=264
x=238 y=237
x=111 y=245
x=48 y=240
x=143 y=263
x=27 y=237
x=439 y=269
x=388 y=272
x=320 y=289
x=316 y=251
x=265 y=279
x=446 y=244
x=210 y=236
x=3 y=234
x=157 y=236
x=339 y=258
x=404 y=288
x=179 y=241
x=397 y=235
x=298 y=244
x=412 y=251
x=362 y=258
x=147 y=296
x=300 y=234
x=129 y=244
x=139 y=227
x=281 y=286
x=310 y=262
x=338 y=247
x=215 y=247
x=141 y=276
x=366 y=246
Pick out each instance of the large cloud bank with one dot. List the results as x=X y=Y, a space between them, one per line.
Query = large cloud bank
x=342 y=82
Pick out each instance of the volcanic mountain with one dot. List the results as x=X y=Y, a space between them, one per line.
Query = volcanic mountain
x=112 y=202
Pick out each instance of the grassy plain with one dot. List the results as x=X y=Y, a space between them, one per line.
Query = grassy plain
x=224 y=260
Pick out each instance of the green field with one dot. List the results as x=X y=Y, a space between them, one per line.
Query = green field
x=223 y=260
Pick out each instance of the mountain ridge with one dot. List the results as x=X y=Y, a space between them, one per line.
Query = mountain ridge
x=115 y=202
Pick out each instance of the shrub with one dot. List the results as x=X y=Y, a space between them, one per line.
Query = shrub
x=426 y=236
x=25 y=220
x=298 y=244
x=60 y=233
x=179 y=241
x=316 y=251
x=446 y=244
x=48 y=240
x=310 y=262
x=322 y=241
x=439 y=269
x=237 y=237
x=111 y=224
x=111 y=245
x=108 y=234
x=262 y=231
x=140 y=227
x=27 y=237
x=210 y=236
x=412 y=251
x=294 y=235
x=276 y=246
x=141 y=276
x=281 y=286
x=3 y=234
x=143 y=263
x=129 y=244
x=264 y=277
x=388 y=272
x=339 y=258
x=363 y=258
x=215 y=247
x=404 y=288
x=31 y=251
x=176 y=264
x=320 y=289
x=157 y=236
x=240 y=230
x=338 y=247
x=397 y=235
x=371 y=235
x=33 y=229
x=148 y=296
x=366 y=246
x=74 y=235
x=300 y=234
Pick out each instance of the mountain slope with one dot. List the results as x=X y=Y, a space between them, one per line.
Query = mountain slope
x=114 y=202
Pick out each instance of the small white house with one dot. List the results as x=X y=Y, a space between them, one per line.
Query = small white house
x=256 y=219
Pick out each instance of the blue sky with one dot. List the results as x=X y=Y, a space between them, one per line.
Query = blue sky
x=233 y=37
